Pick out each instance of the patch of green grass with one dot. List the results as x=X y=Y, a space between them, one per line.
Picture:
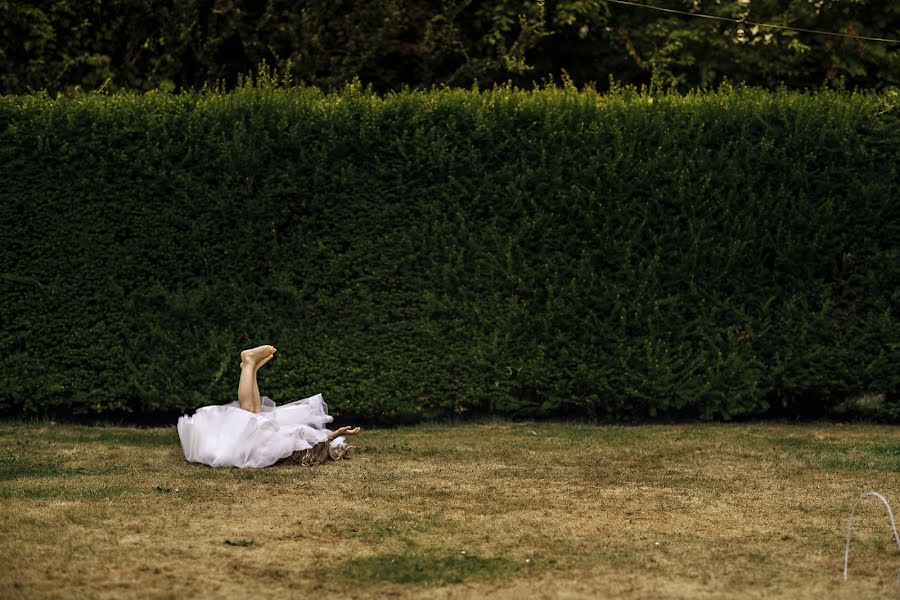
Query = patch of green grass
x=567 y=434
x=13 y=467
x=401 y=448
x=398 y=526
x=280 y=475
x=86 y=492
x=443 y=453
x=21 y=466
x=430 y=565
x=843 y=455
x=698 y=432
x=25 y=431
x=164 y=437
x=856 y=463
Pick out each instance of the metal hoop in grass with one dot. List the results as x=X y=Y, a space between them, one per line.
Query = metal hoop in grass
x=850 y=528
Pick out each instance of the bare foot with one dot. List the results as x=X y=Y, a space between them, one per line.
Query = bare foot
x=256 y=357
x=343 y=431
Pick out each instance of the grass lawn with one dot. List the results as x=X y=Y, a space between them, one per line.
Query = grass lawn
x=507 y=510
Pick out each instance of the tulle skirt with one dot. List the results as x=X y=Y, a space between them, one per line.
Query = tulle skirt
x=228 y=436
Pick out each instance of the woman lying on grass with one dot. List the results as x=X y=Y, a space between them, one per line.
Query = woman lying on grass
x=253 y=432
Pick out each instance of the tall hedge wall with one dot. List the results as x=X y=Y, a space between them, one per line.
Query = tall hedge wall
x=548 y=253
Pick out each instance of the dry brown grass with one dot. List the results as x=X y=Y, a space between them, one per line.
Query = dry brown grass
x=498 y=509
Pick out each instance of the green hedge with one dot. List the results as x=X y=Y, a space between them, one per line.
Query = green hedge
x=62 y=45
x=426 y=254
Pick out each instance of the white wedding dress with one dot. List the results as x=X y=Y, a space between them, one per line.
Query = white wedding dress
x=228 y=436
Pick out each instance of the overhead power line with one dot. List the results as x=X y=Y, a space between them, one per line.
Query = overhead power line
x=744 y=22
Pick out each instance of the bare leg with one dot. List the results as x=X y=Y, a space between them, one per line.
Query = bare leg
x=257 y=401
x=248 y=389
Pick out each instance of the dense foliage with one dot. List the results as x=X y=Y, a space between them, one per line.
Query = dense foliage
x=146 y=44
x=423 y=254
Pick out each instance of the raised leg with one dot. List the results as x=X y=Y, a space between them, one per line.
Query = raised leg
x=248 y=389
x=257 y=400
